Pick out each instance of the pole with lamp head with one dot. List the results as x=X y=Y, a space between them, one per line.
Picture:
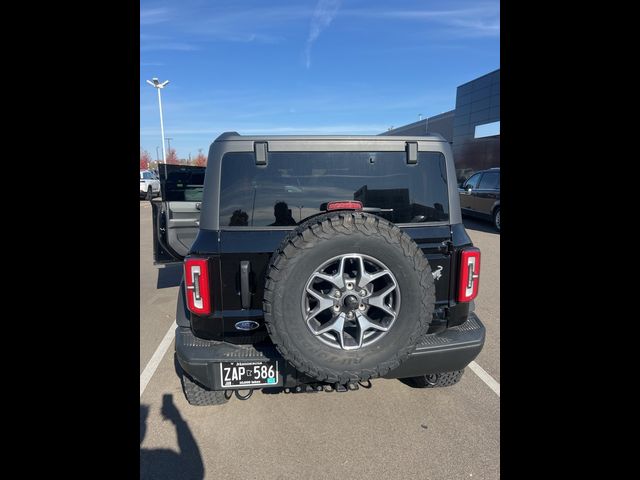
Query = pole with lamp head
x=159 y=86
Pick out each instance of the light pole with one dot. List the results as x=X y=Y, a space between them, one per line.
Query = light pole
x=157 y=154
x=156 y=83
x=169 y=142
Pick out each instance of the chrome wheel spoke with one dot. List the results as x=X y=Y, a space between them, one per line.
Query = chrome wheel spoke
x=364 y=277
x=336 y=325
x=324 y=302
x=364 y=324
x=338 y=279
x=377 y=300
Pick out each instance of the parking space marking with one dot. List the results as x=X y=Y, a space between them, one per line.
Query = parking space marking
x=485 y=377
x=157 y=357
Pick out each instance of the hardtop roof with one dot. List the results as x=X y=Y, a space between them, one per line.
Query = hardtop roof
x=235 y=136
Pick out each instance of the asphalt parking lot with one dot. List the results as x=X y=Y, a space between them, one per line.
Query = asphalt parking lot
x=388 y=431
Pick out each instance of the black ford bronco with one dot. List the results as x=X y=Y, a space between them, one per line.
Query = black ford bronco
x=318 y=263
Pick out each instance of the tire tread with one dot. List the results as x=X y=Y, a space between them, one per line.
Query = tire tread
x=306 y=236
x=199 y=396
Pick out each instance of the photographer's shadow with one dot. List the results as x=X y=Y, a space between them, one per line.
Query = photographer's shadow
x=159 y=463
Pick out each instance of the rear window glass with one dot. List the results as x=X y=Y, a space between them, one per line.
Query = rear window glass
x=297 y=185
x=182 y=183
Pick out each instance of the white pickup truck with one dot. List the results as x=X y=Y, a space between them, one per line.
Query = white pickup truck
x=149 y=184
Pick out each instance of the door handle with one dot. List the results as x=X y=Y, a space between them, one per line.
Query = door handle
x=244 y=283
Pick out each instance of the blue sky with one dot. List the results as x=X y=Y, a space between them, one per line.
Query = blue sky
x=306 y=67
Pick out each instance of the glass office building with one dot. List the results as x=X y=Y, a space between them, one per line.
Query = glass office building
x=472 y=128
x=476 y=125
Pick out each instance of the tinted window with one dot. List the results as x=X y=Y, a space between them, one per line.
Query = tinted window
x=182 y=183
x=147 y=175
x=490 y=181
x=296 y=185
x=473 y=181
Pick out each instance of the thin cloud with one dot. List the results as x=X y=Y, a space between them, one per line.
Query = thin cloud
x=422 y=14
x=176 y=46
x=478 y=21
x=261 y=24
x=364 y=129
x=242 y=37
x=191 y=29
x=151 y=16
x=476 y=28
x=322 y=18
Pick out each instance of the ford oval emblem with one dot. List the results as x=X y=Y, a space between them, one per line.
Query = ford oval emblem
x=247 y=325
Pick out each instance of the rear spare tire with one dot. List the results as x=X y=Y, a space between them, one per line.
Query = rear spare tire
x=347 y=297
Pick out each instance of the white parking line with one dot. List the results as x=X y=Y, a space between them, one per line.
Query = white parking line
x=485 y=377
x=151 y=367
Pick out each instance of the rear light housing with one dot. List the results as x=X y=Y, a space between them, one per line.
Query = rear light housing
x=345 y=205
x=469 y=274
x=196 y=280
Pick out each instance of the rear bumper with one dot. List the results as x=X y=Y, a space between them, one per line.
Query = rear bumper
x=452 y=349
x=447 y=351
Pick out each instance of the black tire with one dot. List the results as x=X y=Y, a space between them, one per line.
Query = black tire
x=437 y=380
x=198 y=395
x=496 y=218
x=318 y=240
x=149 y=193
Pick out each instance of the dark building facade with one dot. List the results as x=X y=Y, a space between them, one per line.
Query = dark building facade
x=472 y=128
x=476 y=125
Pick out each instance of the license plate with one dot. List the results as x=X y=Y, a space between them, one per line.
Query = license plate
x=249 y=374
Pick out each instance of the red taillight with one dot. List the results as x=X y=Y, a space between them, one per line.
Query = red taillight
x=196 y=280
x=469 y=274
x=347 y=205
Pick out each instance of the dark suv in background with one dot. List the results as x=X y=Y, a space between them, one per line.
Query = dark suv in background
x=480 y=196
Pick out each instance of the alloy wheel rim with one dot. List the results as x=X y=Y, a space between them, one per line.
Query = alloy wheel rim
x=351 y=301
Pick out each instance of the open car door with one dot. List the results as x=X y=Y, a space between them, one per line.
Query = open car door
x=176 y=215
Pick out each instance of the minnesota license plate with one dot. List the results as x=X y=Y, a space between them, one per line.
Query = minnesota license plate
x=249 y=374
